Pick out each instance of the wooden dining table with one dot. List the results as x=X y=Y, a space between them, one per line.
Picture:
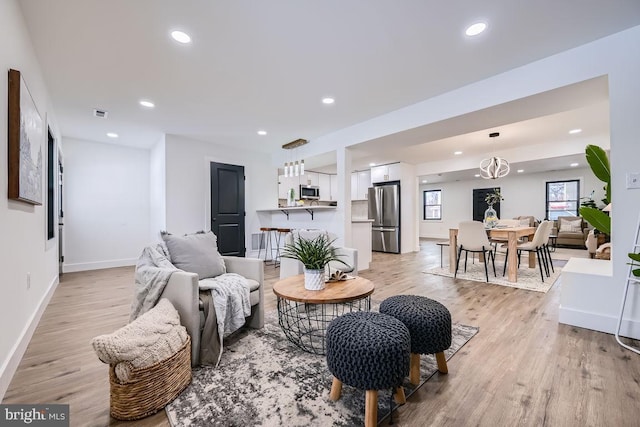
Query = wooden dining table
x=512 y=234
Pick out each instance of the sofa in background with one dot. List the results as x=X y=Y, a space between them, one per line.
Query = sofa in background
x=571 y=231
x=532 y=220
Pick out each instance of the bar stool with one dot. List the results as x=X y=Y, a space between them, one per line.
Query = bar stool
x=267 y=239
x=279 y=235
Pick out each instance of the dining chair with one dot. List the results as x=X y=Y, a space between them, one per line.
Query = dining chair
x=537 y=245
x=502 y=223
x=472 y=237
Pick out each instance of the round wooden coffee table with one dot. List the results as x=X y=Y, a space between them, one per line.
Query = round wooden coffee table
x=304 y=315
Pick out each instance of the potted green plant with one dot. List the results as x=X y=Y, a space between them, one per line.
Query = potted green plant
x=635 y=260
x=599 y=163
x=314 y=254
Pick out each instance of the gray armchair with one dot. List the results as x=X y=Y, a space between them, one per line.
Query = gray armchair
x=570 y=236
x=182 y=290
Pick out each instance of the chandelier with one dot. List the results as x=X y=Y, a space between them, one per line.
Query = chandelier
x=294 y=168
x=494 y=167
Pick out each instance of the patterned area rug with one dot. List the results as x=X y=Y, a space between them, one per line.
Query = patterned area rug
x=263 y=379
x=528 y=278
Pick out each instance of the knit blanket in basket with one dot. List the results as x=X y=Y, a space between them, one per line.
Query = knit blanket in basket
x=151 y=338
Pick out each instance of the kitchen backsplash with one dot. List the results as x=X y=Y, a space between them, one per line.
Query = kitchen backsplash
x=359 y=209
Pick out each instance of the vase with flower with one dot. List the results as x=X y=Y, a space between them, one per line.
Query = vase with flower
x=490 y=215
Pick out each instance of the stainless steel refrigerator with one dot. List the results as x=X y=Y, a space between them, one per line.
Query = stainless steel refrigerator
x=384 y=209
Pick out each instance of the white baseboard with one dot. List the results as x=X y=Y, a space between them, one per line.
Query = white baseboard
x=8 y=369
x=599 y=322
x=99 y=265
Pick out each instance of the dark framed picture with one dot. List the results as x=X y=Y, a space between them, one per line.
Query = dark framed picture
x=25 y=138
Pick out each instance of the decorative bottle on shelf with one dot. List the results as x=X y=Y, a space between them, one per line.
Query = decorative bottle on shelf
x=490 y=217
x=291 y=197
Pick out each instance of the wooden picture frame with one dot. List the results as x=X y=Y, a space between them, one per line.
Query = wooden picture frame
x=25 y=138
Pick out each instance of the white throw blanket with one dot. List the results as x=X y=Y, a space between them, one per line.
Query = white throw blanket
x=231 y=303
x=153 y=271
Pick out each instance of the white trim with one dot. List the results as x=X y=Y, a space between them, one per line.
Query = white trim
x=9 y=367
x=598 y=322
x=84 y=266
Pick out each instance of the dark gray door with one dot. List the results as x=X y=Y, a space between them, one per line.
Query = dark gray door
x=479 y=205
x=227 y=208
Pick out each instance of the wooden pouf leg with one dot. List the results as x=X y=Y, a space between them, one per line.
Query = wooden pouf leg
x=371 y=408
x=442 y=363
x=399 y=396
x=414 y=369
x=336 y=389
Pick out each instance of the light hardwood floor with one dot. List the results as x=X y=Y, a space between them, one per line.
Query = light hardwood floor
x=521 y=369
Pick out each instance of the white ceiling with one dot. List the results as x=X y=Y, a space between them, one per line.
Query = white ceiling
x=266 y=65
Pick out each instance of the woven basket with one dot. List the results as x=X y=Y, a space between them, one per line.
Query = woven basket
x=150 y=389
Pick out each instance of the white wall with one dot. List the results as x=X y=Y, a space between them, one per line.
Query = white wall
x=24 y=246
x=612 y=56
x=188 y=183
x=157 y=190
x=107 y=204
x=524 y=194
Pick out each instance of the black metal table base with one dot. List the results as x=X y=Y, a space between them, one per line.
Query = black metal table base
x=305 y=324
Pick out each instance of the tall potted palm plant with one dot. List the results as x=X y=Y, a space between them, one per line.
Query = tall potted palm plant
x=314 y=254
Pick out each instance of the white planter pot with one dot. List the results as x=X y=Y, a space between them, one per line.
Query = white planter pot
x=313 y=279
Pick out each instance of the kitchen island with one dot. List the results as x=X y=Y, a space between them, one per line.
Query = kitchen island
x=322 y=218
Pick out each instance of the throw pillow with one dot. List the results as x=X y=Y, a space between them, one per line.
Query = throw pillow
x=196 y=253
x=571 y=226
x=151 y=338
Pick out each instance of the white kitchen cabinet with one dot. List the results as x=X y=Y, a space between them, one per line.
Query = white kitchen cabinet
x=384 y=173
x=324 y=182
x=334 y=187
x=360 y=183
x=354 y=185
x=364 y=182
x=310 y=178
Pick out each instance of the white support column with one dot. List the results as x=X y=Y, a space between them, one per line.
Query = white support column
x=343 y=215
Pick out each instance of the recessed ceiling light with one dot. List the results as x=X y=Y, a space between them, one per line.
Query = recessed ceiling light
x=520 y=170
x=147 y=104
x=181 y=37
x=424 y=181
x=328 y=100
x=372 y=164
x=262 y=132
x=475 y=29
x=457 y=153
x=573 y=165
x=112 y=135
x=477 y=175
x=574 y=131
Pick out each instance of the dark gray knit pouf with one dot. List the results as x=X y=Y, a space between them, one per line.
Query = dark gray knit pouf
x=368 y=350
x=428 y=321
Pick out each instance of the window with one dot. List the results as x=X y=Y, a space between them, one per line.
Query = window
x=432 y=204
x=562 y=198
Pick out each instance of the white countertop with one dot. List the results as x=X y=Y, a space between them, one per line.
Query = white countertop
x=298 y=208
x=597 y=267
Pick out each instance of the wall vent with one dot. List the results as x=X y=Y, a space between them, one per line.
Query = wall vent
x=102 y=114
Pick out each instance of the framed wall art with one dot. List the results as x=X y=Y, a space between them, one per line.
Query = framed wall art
x=25 y=138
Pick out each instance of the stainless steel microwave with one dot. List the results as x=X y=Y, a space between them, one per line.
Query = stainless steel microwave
x=309 y=192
